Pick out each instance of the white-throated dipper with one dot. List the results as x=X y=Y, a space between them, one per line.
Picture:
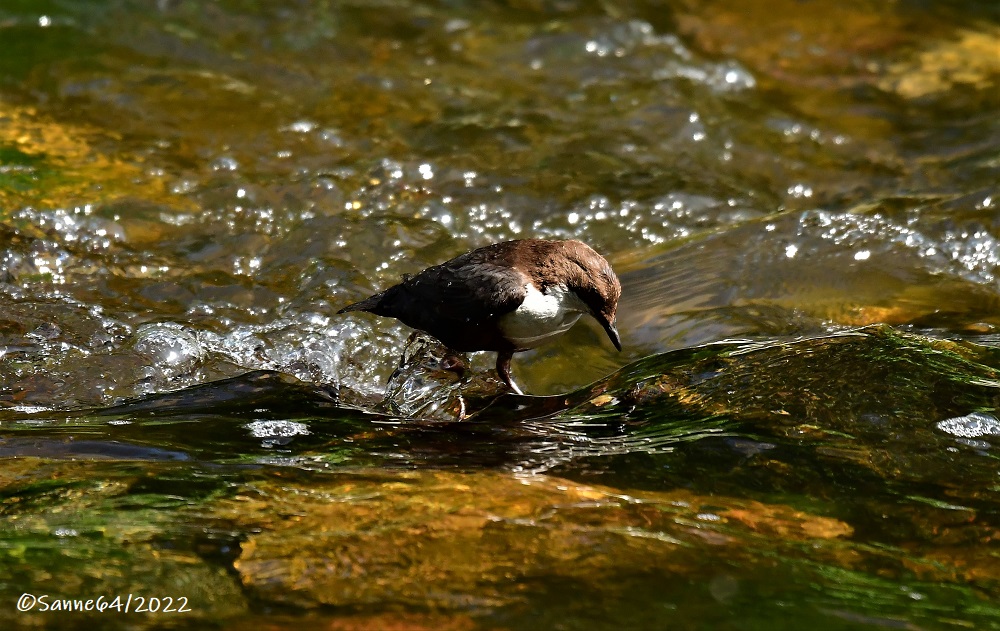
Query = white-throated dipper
x=506 y=297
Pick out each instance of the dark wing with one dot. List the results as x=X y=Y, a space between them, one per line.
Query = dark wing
x=456 y=301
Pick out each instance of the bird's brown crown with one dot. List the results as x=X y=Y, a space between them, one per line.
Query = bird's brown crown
x=571 y=263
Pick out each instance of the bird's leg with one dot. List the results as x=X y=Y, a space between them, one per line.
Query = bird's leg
x=503 y=369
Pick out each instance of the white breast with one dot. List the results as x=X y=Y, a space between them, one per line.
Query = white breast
x=542 y=316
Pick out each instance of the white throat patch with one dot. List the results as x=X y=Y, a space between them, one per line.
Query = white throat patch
x=542 y=316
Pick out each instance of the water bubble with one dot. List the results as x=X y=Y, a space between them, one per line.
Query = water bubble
x=971 y=425
x=301 y=126
x=800 y=190
x=171 y=348
x=277 y=432
x=225 y=163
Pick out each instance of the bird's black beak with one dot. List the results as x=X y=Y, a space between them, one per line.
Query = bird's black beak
x=612 y=330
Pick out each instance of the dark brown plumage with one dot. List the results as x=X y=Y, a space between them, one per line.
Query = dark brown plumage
x=506 y=297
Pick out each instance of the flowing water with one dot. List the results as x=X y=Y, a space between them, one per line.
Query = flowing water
x=802 y=200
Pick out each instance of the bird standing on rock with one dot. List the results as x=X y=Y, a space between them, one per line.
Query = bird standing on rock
x=506 y=297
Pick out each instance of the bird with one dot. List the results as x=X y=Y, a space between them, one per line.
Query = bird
x=506 y=297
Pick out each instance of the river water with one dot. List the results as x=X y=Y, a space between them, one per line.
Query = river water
x=801 y=200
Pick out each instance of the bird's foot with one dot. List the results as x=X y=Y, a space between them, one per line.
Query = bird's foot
x=503 y=371
x=513 y=386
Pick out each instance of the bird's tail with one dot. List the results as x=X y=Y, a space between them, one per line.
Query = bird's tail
x=373 y=304
x=365 y=305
